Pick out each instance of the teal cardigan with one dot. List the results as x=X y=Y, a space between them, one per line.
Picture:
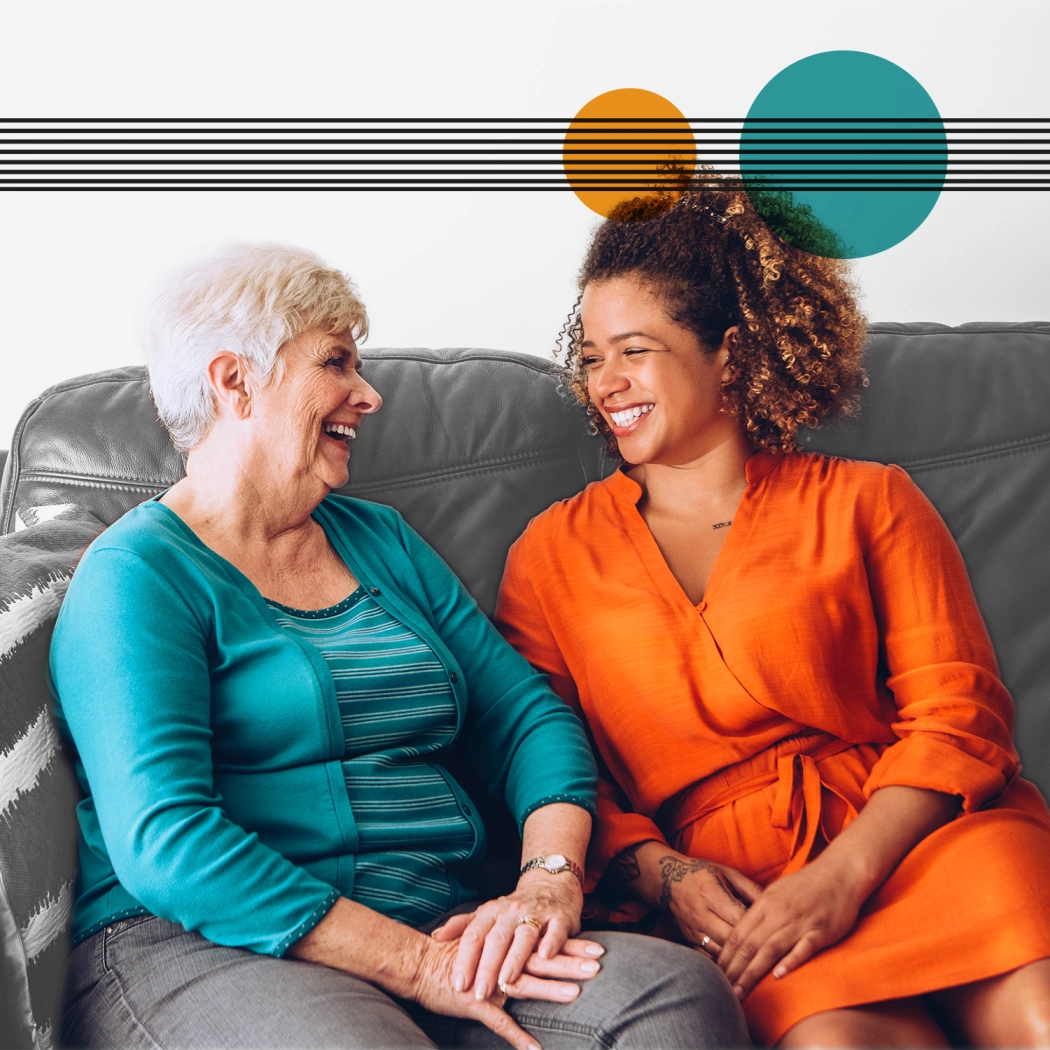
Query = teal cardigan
x=208 y=739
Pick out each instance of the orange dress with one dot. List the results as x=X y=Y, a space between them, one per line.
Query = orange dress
x=838 y=649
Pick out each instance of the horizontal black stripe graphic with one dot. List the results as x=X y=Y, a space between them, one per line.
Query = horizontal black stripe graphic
x=312 y=186
x=563 y=121
x=891 y=154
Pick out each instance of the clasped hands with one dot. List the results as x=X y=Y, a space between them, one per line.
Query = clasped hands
x=479 y=960
x=750 y=931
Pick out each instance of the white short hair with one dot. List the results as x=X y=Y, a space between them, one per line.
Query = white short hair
x=250 y=299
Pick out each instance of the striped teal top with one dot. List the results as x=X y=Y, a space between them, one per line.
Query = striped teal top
x=397 y=708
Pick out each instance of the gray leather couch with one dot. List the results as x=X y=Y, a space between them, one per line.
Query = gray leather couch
x=469 y=446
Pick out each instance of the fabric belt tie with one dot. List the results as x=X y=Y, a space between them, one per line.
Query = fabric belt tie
x=796 y=808
x=792 y=765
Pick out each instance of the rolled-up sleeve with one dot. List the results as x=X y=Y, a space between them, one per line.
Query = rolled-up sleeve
x=129 y=664
x=524 y=743
x=954 y=715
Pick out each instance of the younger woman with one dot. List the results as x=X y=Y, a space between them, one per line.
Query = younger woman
x=809 y=755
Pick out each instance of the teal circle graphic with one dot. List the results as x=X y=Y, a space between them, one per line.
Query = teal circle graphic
x=843 y=154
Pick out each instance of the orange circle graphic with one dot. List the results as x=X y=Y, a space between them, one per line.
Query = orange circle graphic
x=624 y=144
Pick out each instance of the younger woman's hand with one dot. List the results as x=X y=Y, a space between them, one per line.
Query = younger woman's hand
x=495 y=943
x=792 y=920
x=705 y=900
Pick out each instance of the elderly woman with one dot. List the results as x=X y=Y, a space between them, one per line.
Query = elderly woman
x=261 y=680
x=811 y=767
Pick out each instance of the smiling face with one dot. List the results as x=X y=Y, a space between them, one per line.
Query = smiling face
x=652 y=380
x=307 y=419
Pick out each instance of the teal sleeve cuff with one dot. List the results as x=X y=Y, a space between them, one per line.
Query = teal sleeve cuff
x=308 y=924
x=572 y=800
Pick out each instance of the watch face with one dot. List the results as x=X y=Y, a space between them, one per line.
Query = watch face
x=554 y=860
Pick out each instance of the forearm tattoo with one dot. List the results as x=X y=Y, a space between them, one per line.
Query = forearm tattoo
x=624 y=867
x=673 y=870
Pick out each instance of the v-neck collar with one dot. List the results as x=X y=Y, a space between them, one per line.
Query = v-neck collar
x=627 y=493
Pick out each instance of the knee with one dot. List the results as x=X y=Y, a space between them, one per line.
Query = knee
x=669 y=995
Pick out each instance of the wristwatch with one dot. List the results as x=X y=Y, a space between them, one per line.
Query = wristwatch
x=555 y=863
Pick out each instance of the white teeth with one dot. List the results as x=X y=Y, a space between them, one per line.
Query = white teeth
x=340 y=429
x=629 y=415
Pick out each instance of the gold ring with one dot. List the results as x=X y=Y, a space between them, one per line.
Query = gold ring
x=528 y=920
x=704 y=943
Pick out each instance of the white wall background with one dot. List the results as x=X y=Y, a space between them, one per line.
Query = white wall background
x=76 y=269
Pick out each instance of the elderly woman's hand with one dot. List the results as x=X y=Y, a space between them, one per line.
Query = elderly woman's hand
x=544 y=978
x=534 y=921
x=499 y=947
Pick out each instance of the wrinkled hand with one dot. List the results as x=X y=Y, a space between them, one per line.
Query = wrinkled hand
x=542 y=979
x=704 y=899
x=494 y=946
x=433 y=989
x=791 y=921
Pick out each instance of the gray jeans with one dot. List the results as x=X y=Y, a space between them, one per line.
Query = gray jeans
x=146 y=982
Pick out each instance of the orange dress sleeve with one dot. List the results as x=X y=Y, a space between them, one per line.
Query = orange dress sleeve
x=520 y=619
x=954 y=716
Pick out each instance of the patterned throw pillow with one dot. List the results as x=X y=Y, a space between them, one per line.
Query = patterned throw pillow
x=38 y=792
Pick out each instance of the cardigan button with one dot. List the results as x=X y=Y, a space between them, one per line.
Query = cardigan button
x=373 y=590
x=453 y=678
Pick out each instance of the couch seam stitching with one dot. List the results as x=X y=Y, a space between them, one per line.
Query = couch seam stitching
x=989 y=452
x=89 y=479
x=552 y=454
x=484 y=468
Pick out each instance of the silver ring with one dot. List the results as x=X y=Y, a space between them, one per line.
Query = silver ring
x=528 y=920
x=704 y=943
x=503 y=988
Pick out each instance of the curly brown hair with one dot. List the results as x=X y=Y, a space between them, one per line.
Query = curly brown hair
x=715 y=262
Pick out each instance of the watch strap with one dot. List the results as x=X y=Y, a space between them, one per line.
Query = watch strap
x=544 y=862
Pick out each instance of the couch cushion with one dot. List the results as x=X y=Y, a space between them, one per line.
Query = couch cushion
x=38 y=792
x=94 y=440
